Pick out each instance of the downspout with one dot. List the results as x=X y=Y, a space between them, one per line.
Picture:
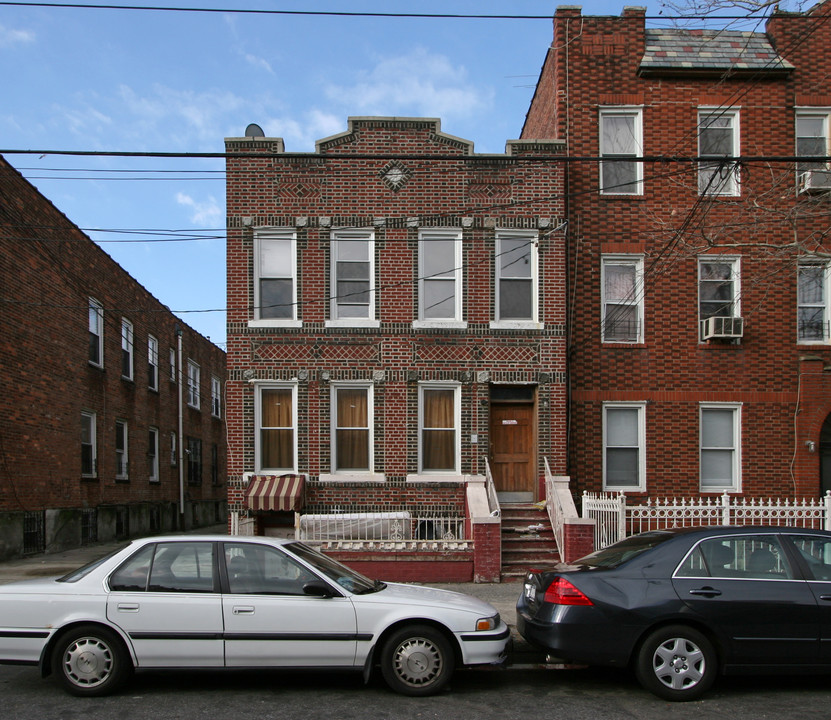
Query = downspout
x=181 y=436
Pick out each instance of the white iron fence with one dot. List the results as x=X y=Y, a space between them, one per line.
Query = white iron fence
x=615 y=519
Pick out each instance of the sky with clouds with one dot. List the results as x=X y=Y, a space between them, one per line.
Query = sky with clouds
x=106 y=80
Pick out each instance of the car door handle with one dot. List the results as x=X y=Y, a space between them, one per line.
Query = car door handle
x=825 y=597
x=706 y=592
x=128 y=607
x=243 y=610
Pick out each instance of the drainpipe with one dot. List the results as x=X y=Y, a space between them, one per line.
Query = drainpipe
x=181 y=435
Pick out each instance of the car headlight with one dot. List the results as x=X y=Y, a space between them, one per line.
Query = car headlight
x=490 y=623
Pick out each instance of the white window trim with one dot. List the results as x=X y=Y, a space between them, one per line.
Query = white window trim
x=733 y=187
x=98 y=308
x=533 y=322
x=216 y=397
x=826 y=314
x=737 y=450
x=125 y=453
x=154 y=470
x=635 y=111
x=172 y=365
x=641 y=408
x=457 y=420
x=737 y=284
x=128 y=339
x=456 y=322
x=94 y=442
x=638 y=300
x=153 y=361
x=337 y=322
x=194 y=385
x=261 y=234
x=823 y=111
x=259 y=386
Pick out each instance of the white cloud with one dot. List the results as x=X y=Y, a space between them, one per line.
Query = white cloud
x=9 y=37
x=209 y=213
x=258 y=62
x=418 y=84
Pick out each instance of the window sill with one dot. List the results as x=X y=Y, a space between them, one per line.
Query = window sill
x=450 y=477
x=352 y=323
x=122 y=479
x=89 y=478
x=275 y=323
x=352 y=477
x=621 y=196
x=624 y=343
x=516 y=325
x=439 y=325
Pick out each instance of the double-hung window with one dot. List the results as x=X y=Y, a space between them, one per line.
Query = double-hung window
x=718 y=288
x=194 y=461
x=275 y=282
x=720 y=447
x=126 y=349
x=812 y=320
x=276 y=428
x=353 y=279
x=439 y=429
x=813 y=139
x=194 y=375
x=89 y=445
x=153 y=454
x=622 y=298
x=621 y=146
x=216 y=397
x=718 y=142
x=121 y=447
x=440 y=279
x=516 y=279
x=152 y=363
x=624 y=454
x=352 y=428
x=96 y=333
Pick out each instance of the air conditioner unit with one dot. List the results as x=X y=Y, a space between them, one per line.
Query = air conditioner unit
x=815 y=181
x=722 y=327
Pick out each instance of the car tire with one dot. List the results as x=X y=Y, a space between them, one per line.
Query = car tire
x=417 y=660
x=90 y=661
x=676 y=663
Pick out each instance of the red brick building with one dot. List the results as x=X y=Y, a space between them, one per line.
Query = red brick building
x=698 y=256
x=396 y=324
x=93 y=373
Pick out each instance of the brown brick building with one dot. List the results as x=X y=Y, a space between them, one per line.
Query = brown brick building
x=698 y=256
x=396 y=325
x=90 y=436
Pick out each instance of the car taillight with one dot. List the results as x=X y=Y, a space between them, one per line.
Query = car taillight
x=562 y=592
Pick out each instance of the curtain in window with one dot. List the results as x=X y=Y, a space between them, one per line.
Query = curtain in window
x=620 y=321
x=438 y=441
x=276 y=431
x=352 y=432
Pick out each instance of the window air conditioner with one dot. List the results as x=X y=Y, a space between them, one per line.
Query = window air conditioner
x=722 y=327
x=815 y=181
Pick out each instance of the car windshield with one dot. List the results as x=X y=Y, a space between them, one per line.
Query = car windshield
x=348 y=579
x=623 y=551
x=85 y=570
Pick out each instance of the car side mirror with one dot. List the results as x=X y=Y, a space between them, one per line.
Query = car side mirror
x=318 y=588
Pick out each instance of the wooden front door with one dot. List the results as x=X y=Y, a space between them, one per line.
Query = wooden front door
x=513 y=458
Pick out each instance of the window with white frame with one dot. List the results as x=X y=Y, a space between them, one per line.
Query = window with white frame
x=718 y=287
x=89 y=445
x=812 y=302
x=353 y=278
x=516 y=278
x=121 y=447
x=624 y=453
x=194 y=374
x=720 y=447
x=622 y=298
x=275 y=282
x=621 y=144
x=153 y=454
x=813 y=139
x=152 y=363
x=276 y=428
x=352 y=428
x=172 y=365
x=126 y=349
x=96 y=333
x=718 y=138
x=216 y=397
x=439 y=420
x=174 y=460
x=440 y=278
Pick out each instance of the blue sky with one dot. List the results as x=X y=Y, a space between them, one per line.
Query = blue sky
x=140 y=81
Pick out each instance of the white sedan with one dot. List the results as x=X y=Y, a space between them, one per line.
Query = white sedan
x=223 y=601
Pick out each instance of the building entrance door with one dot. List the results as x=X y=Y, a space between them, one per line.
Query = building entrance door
x=513 y=442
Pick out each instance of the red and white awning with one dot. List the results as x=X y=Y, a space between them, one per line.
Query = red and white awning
x=275 y=492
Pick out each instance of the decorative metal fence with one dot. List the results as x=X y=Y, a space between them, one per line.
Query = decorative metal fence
x=615 y=519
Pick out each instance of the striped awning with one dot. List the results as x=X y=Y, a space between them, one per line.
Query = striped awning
x=275 y=492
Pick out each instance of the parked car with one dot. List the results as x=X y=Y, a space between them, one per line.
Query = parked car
x=684 y=605
x=223 y=601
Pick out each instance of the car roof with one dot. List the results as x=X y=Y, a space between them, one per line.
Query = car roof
x=741 y=530
x=260 y=539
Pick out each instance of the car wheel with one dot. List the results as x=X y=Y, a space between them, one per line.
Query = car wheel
x=417 y=660
x=676 y=663
x=91 y=660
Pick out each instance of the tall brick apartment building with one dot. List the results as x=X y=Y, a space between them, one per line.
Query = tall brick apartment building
x=698 y=289
x=94 y=372
x=396 y=323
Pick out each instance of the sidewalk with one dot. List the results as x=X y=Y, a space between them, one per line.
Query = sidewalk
x=502 y=596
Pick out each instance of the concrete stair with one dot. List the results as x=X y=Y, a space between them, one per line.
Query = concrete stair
x=527 y=541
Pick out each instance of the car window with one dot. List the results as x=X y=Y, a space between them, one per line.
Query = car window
x=624 y=550
x=347 y=578
x=816 y=552
x=758 y=557
x=132 y=574
x=261 y=570
x=85 y=570
x=168 y=567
